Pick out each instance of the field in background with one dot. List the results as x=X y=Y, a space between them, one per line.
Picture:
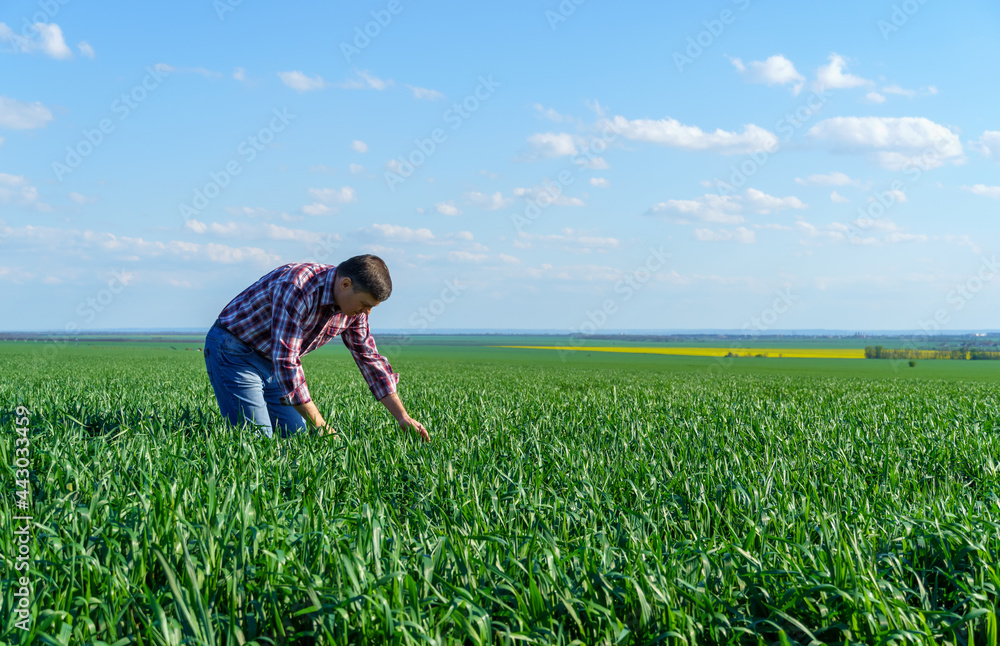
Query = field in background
x=601 y=497
x=734 y=351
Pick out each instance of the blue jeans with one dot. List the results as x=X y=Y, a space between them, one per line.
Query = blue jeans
x=245 y=386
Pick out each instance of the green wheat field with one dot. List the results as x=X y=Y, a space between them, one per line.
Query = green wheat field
x=610 y=499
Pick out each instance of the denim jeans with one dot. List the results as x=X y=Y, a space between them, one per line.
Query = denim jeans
x=246 y=387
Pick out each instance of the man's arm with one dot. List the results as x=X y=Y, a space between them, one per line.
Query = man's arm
x=378 y=373
x=394 y=405
x=313 y=416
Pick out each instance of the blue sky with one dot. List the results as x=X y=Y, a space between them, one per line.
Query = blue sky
x=583 y=166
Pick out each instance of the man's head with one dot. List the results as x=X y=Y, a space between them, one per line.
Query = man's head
x=362 y=283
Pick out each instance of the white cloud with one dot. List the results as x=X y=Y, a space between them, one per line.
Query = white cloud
x=343 y=195
x=18 y=115
x=874 y=97
x=574 y=240
x=16 y=189
x=989 y=144
x=905 y=237
x=224 y=254
x=599 y=182
x=465 y=256
x=837 y=198
x=240 y=74
x=985 y=191
x=741 y=235
x=82 y=199
x=776 y=70
x=544 y=195
x=447 y=208
x=551 y=144
x=894 y=143
x=510 y=259
x=275 y=232
x=300 y=82
x=72 y=242
x=895 y=195
x=357 y=168
x=491 y=202
x=576 y=273
x=52 y=41
x=835 y=178
x=366 y=81
x=317 y=209
x=47 y=38
x=252 y=212
x=832 y=76
x=86 y=49
x=359 y=146
x=722 y=209
x=255 y=231
x=836 y=231
x=764 y=203
x=424 y=93
x=930 y=90
x=895 y=89
x=670 y=132
x=7 y=179
x=396 y=233
x=550 y=114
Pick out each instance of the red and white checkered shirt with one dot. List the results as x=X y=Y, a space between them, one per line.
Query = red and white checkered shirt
x=290 y=312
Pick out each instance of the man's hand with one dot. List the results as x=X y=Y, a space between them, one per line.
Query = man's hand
x=327 y=430
x=408 y=423
x=314 y=419
x=395 y=407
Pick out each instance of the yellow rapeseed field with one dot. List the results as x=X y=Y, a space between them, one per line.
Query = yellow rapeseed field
x=786 y=353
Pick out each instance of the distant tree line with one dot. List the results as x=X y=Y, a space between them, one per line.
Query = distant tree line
x=879 y=352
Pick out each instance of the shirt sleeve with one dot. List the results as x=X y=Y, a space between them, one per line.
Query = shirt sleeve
x=374 y=367
x=289 y=306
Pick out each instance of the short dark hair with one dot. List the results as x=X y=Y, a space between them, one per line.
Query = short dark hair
x=369 y=274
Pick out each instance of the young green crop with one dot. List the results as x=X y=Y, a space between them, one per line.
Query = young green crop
x=556 y=504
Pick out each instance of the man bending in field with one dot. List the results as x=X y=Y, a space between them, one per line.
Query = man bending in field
x=252 y=351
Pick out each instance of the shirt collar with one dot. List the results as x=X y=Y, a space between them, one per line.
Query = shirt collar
x=331 y=280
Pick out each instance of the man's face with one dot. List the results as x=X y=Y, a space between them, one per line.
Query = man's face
x=350 y=302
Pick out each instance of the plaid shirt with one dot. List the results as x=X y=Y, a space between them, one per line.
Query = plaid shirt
x=289 y=313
